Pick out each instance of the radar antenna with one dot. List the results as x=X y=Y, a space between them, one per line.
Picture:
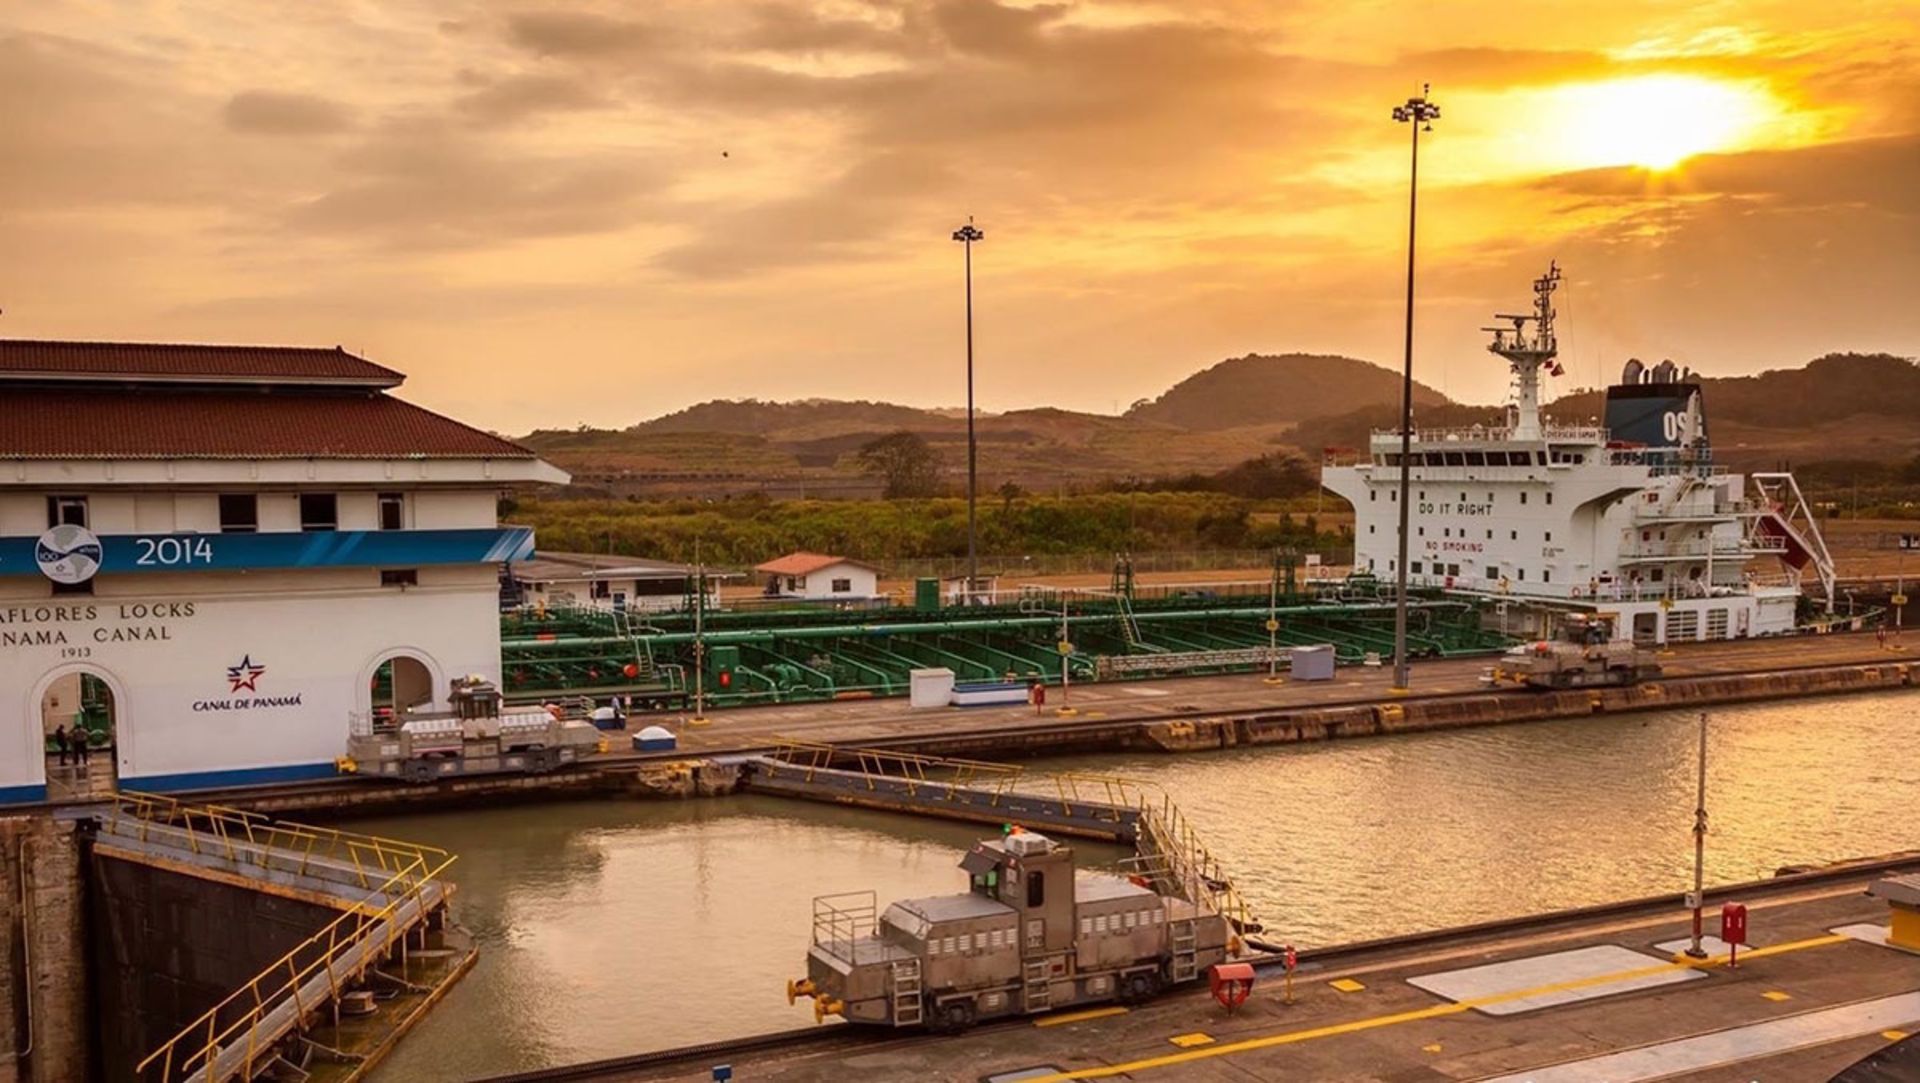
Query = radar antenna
x=1527 y=350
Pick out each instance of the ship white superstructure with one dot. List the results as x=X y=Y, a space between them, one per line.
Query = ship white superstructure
x=1632 y=518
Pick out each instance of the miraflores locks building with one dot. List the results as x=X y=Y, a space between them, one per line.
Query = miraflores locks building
x=214 y=557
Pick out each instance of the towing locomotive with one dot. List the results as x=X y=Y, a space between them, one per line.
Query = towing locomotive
x=1031 y=934
x=476 y=735
x=1585 y=656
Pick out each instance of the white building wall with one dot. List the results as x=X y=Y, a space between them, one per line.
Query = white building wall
x=164 y=644
x=452 y=510
x=23 y=514
x=275 y=511
x=865 y=583
x=197 y=512
x=358 y=510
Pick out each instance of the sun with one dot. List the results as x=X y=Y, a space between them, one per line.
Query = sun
x=1655 y=121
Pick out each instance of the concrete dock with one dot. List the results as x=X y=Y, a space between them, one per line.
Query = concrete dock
x=1178 y=715
x=1568 y=999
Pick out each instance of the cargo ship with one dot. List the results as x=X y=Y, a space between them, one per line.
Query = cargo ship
x=1630 y=518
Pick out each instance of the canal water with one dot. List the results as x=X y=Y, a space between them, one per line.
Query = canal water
x=615 y=927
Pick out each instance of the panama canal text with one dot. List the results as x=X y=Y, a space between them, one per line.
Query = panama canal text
x=26 y=626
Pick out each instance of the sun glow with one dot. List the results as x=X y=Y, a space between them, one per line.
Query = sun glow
x=1654 y=121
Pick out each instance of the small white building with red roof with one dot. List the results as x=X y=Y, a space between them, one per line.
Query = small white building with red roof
x=819 y=577
x=214 y=558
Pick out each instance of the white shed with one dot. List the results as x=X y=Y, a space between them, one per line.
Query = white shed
x=820 y=577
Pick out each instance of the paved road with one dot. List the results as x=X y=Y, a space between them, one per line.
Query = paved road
x=857 y=720
x=1803 y=1003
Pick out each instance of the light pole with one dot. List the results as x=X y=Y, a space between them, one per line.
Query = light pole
x=966 y=235
x=1694 y=950
x=1421 y=113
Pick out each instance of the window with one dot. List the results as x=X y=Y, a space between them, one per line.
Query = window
x=239 y=513
x=843 y=586
x=1132 y=920
x=1086 y=926
x=1513 y=535
x=1546 y=575
x=1463 y=498
x=1489 y=535
x=399 y=577
x=393 y=511
x=933 y=945
x=1423 y=531
x=947 y=945
x=1522 y=575
x=1373 y=494
x=1549 y=496
x=319 y=511
x=602 y=589
x=66 y=511
x=1100 y=923
x=1415 y=566
x=1549 y=535
x=1036 y=889
x=1369 y=528
x=1523 y=496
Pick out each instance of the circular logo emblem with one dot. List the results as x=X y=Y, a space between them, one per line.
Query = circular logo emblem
x=68 y=554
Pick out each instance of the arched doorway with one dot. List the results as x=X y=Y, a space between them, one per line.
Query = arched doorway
x=79 y=719
x=401 y=683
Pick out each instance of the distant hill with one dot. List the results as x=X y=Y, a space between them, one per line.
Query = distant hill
x=820 y=417
x=1841 y=406
x=1830 y=388
x=1264 y=390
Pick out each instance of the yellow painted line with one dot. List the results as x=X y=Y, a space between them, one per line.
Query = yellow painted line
x=1434 y=1048
x=1346 y=985
x=1435 y=1012
x=1077 y=1017
x=1188 y=1041
x=1776 y=995
x=1894 y=1035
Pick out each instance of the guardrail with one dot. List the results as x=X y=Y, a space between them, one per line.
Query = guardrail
x=1169 y=852
x=238 y=1037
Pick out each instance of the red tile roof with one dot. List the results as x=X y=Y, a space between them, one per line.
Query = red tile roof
x=177 y=362
x=805 y=563
x=40 y=423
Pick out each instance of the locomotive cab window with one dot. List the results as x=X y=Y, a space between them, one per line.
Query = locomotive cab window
x=1036 y=889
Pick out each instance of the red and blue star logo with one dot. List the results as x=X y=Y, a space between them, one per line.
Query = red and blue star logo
x=245 y=674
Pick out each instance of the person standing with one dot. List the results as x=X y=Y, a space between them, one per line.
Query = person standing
x=60 y=742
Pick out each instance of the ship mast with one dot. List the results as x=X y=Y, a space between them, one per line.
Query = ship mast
x=1527 y=354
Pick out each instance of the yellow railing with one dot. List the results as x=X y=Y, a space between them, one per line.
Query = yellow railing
x=406 y=871
x=1168 y=850
x=251 y=838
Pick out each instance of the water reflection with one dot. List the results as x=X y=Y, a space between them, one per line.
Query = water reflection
x=614 y=927
x=1345 y=841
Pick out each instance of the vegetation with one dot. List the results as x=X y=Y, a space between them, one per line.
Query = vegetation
x=905 y=462
x=745 y=531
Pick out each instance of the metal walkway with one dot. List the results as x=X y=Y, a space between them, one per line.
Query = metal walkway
x=1168 y=851
x=388 y=894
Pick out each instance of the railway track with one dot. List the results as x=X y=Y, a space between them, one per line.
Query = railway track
x=843 y=1036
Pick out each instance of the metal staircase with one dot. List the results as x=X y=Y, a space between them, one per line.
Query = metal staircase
x=1186 y=955
x=1036 y=985
x=907 y=992
x=389 y=895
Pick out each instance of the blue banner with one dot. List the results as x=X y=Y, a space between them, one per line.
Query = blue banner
x=290 y=549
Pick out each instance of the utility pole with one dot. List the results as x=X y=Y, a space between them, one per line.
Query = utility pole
x=966 y=235
x=1700 y=846
x=699 y=642
x=1421 y=114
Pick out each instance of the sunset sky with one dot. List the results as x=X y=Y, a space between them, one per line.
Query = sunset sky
x=573 y=212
